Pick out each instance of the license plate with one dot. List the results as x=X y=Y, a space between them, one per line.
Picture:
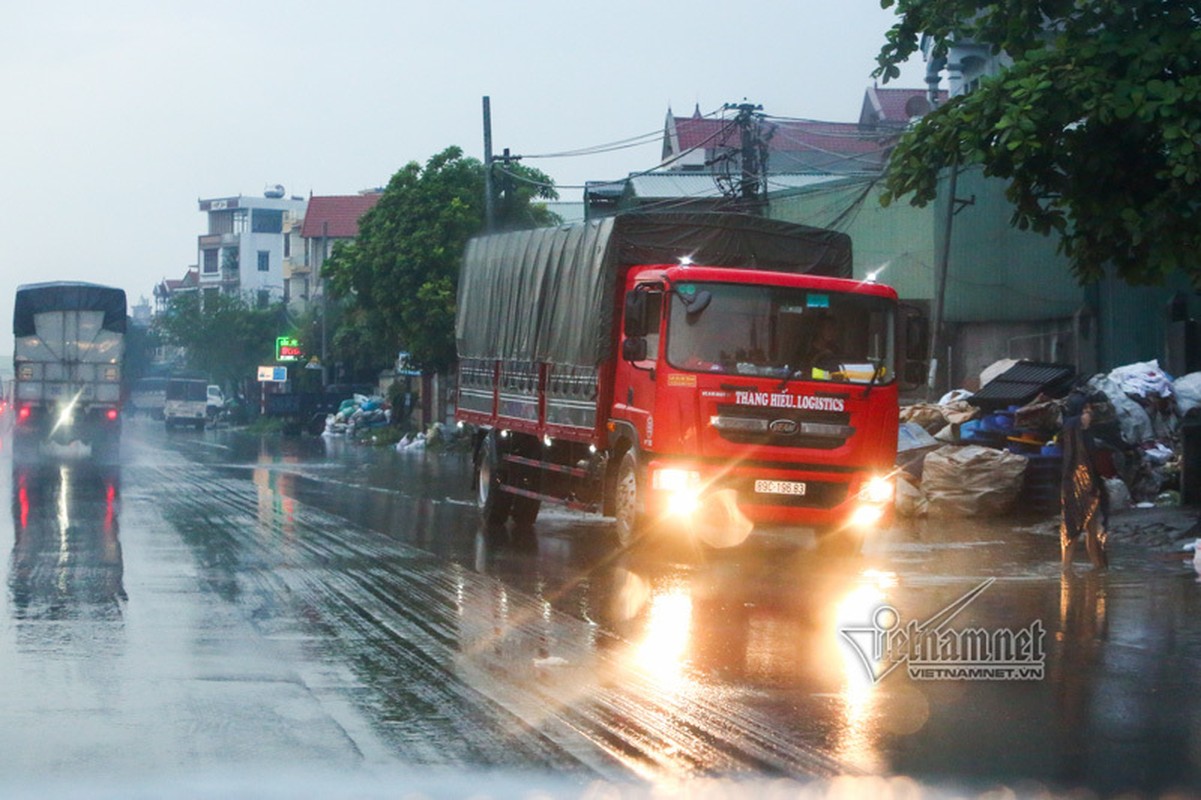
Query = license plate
x=779 y=487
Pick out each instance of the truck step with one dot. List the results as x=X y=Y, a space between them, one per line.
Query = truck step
x=549 y=498
x=575 y=472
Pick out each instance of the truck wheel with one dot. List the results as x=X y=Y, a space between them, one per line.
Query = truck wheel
x=494 y=504
x=525 y=510
x=626 y=499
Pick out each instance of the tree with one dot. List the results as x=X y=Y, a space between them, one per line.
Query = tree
x=224 y=338
x=403 y=268
x=1096 y=126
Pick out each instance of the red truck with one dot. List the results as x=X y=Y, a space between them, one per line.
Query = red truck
x=706 y=373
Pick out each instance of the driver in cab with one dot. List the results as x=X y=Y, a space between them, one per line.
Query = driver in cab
x=822 y=354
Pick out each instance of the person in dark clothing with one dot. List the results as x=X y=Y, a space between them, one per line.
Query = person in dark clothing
x=1083 y=494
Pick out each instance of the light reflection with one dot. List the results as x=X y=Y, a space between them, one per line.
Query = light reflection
x=66 y=556
x=664 y=645
x=860 y=695
x=64 y=514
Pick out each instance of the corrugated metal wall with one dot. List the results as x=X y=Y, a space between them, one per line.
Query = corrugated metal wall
x=997 y=273
x=899 y=238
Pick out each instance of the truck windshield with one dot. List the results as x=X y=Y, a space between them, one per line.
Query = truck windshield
x=783 y=332
x=187 y=390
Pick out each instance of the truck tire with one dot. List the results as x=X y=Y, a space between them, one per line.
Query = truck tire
x=494 y=504
x=525 y=511
x=627 y=499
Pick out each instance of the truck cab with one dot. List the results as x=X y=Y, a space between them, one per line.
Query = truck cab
x=775 y=390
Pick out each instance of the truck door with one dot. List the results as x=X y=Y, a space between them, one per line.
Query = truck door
x=634 y=384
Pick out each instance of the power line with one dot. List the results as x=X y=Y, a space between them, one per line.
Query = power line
x=623 y=144
x=699 y=146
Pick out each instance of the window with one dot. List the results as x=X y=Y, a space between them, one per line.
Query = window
x=229 y=259
x=264 y=298
x=288 y=246
x=265 y=220
x=264 y=260
x=210 y=262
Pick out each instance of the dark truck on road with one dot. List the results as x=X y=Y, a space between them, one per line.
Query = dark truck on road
x=67 y=363
x=305 y=412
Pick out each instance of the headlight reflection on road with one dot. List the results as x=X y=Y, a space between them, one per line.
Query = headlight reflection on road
x=663 y=648
x=64 y=514
x=859 y=692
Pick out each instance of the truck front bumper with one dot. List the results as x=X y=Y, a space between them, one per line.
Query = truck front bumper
x=740 y=497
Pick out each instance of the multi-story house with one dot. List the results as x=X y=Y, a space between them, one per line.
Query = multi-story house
x=243 y=251
x=328 y=220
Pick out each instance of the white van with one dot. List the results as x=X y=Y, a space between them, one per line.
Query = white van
x=215 y=402
x=187 y=401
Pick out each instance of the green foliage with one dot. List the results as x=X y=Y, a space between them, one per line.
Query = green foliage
x=225 y=339
x=140 y=343
x=401 y=272
x=1096 y=126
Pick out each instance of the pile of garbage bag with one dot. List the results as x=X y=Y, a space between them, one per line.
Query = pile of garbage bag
x=956 y=458
x=357 y=413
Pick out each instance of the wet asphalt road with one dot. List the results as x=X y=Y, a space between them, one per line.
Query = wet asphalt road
x=218 y=603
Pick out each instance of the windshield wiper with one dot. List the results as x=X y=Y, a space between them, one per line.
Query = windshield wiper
x=789 y=375
x=876 y=370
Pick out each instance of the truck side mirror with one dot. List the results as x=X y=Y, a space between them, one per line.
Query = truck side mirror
x=635 y=322
x=634 y=348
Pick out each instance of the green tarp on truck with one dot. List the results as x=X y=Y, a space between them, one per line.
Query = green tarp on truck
x=550 y=294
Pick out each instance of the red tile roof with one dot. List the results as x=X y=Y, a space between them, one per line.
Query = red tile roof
x=789 y=135
x=900 y=105
x=336 y=216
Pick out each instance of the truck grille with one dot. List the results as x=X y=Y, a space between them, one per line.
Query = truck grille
x=815 y=430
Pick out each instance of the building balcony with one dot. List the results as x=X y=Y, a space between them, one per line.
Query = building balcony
x=211 y=240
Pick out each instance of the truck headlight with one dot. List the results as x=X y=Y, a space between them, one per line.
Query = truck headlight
x=878 y=491
x=675 y=480
x=682 y=487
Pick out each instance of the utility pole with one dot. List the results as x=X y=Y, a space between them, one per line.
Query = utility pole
x=938 y=339
x=324 y=308
x=506 y=181
x=752 y=184
x=489 y=210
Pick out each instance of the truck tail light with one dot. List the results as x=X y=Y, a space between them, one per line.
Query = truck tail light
x=111 y=415
x=23 y=413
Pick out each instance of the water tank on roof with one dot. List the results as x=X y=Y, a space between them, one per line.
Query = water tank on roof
x=274 y=192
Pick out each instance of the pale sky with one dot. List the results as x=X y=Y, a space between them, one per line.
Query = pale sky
x=119 y=115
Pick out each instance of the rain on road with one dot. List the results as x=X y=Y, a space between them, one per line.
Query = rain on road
x=219 y=602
